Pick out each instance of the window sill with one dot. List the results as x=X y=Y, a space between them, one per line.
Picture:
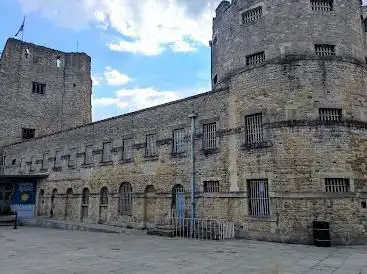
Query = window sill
x=108 y=163
x=71 y=167
x=210 y=151
x=261 y=219
x=178 y=154
x=56 y=169
x=151 y=158
x=44 y=170
x=126 y=161
x=87 y=165
x=264 y=144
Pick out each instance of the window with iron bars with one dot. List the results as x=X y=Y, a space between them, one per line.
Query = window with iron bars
x=88 y=157
x=28 y=133
x=254 y=128
x=210 y=136
x=127 y=149
x=179 y=140
x=330 y=114
x=57 y=159
x=211 y=186
x=252 y=15
x=337 y=185
x=72 y=158
x=258 y=198
x=256 y=58
x=38 y=88
x=104 y=197
x=322 y=5
x=151 y=145
x=325 y=50
x=106 y=152
x=125 y=199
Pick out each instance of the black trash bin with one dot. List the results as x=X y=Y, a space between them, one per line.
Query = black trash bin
x=321 y=234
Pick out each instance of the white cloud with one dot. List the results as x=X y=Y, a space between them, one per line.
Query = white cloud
x=144 y=26
x=115 y=78
x=134 y=99
x=96 y=79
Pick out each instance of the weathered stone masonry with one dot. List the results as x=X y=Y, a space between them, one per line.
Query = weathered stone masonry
x=290 y=156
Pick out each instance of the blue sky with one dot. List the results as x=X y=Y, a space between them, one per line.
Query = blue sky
x=144 y=52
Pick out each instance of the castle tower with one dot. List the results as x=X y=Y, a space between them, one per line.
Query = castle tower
x=42 y=91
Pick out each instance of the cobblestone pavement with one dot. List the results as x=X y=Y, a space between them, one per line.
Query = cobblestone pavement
x=37 y=250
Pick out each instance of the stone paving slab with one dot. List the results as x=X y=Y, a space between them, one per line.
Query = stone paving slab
x=36 y=250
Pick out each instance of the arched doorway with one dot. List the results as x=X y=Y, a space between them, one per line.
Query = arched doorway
x=150 y=204
x=69 y=204
x=6 y=191
x=125 y=199
x=85 y=204
x=53 y=202
x=178 y=202
x=103 y=205
x=41 y=203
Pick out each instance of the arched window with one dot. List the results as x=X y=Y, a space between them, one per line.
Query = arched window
x=149 y=189
x=68 y=203
x=103 y=200
x=177 y=194
x=58 y=61
x=53 y=195
x=125 y=199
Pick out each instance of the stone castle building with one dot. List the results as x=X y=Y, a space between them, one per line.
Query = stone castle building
x=280 y=141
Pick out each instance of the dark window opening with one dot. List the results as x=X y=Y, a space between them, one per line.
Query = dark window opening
x=325 y=50
x=256 y=58
x=252 y=15
x=27 y=53
x=38 y=88
x=322 y=5
x=215 y=80
x=14 y=162
x=58 y=61
x=211 y=186
x=337 y=185
x=364 y=204
x=330 y=114
x=28 y=133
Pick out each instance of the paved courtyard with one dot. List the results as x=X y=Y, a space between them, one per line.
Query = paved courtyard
x=37 y=250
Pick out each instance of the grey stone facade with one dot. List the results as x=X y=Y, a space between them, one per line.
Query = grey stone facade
x=297 y=153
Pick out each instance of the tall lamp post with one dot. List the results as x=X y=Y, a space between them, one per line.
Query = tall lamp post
x=192 y=190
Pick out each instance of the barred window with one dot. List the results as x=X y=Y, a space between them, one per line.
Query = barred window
x=210 y=136
x=322 y=5
x=337 y=185
x=252 y=15
x=125 y=199
x=28 y=133
x=85 y=202
x=88 y=157
x=106 y=152
x=211 y=186
x=151 y=145
x=104 y=197
x=179 y=140
x=256 y=58
x=330 y=114
x=325 y=50
x=254 y=128
x=45 y=161
x=127 y=149
x=57 y=159
x=38 y=88
x=72 y=158
x=258 y=198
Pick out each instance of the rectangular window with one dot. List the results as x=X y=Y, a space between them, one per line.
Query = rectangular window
x=337 y=185
x=210 y=136
x=322 y=5
x=106 y=152
x=179 y=141
x=254 y=128
x=72 y=158
x=258 y=198
x=88 y=157
x=33 y=163
x=325 y=50
x=256 y=58
x=211 y=186
x=330 y=114
x=38 y=88
x=57 y=160
x=127 y=149
x=28 y=133
x=151 y=145
x=45 y=161
x=252 y=15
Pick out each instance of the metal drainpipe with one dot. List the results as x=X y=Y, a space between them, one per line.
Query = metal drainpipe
x=192 y=192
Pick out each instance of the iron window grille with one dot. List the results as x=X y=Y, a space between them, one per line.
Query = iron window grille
x=256 y=58
x=330 y=114
x=28 y=133
x=88 y=157
x=125 y=199
x=151 y=145
x=127 y=149
x=322 y=5
x=85 y=202
x=254 y=128
x=106 y=152
x=258 y=198
x=337 y=185
x=38 y=88
x=104 y=197
x=325 y=50
x=210 y=136
x=179 y=141
x=211 y=186
x=252 y=15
